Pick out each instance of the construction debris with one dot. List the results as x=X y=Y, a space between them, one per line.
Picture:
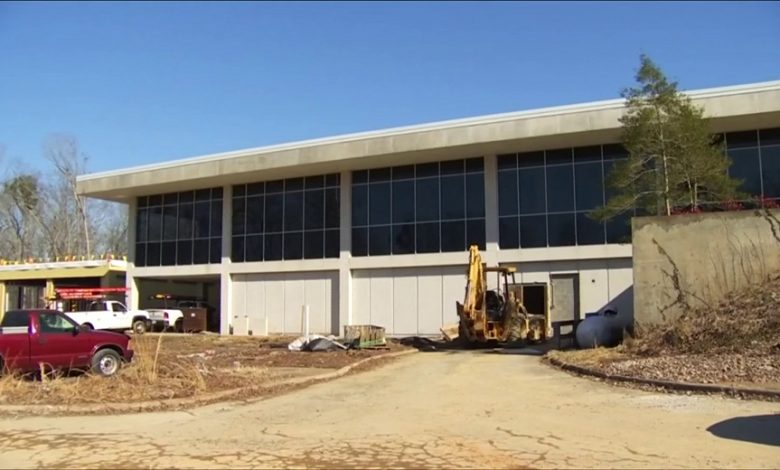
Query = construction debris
x=315 y=343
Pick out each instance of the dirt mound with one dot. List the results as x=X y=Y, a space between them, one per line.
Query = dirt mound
x=744 y=322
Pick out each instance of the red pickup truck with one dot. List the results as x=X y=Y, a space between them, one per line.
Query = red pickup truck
x=31 y=339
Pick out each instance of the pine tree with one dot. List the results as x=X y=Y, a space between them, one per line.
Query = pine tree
x=674 y=160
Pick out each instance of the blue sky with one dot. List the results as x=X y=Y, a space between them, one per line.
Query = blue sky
x=149 y=82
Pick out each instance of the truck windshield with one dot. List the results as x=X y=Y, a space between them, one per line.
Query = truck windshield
x=15 y=318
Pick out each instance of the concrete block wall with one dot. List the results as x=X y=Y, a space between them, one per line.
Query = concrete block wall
x=685 y=262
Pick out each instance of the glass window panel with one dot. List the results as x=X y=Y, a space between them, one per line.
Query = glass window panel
x=153 y=254
x=742 y=139
x=745 y=166
x=561 y=229
x=274 y=186
x=314 y=182
x=379 y=240
x=169 y=222
x=530 y=159
x=427 y=237
x=554 y=157
x=589 y=231
x=475 y=233
x=587 y=154
x=155 y=200
x=532 y=190
x=237 y=249
x=184 y=252
x=403 y=172
x=614 y=151
x=254 y=248
x=619 y=229
x=533 y=231
x=293 y=184
x=452 y=167
x=379 y=174
x=507 y=192
x=403 y=202
x=168 y=253
x=453 y=236
x=313 y=244
x=140 y=254
x=185 y=221
x=379 y=203
x=293 y=245
x=475 y=195
x=293 y=211
x=769 y=136
x=360 y=176
x=560 y=188
x=424 y=170
x=155 y=224
x=143 y=201
x=273 y=247
x=216 y=218
x=427 y=199
x=474 y=165
x=453 y=194
x=203 y=194
x=589 y=186
x=201 y=217
x=403 y=239
x=314 y=209
x=359 y=241
x=141 y=225
x=238 y=221
x=507 y=162
x=508 y=233
x=215 y=251
x=255 y=189
x=770 y=167
x=201 y=251
x=333 y=179
x=274 y=213
x=216 y=193
x=332 y=243
x=239 y=190
x=255 y=206
x=332 y=207
x=359 y=205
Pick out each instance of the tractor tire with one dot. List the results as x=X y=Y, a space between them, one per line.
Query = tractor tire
x=514 y=323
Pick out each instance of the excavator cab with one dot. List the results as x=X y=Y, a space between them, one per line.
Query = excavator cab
x=511 y=312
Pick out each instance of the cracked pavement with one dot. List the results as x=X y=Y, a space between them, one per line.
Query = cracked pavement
x=458 y=409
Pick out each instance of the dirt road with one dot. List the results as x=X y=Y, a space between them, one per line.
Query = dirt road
x=454 y=409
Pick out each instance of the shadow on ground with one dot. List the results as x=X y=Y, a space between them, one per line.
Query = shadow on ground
x=759 y=429
x=424 y=344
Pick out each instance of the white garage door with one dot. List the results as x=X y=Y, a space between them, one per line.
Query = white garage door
x=279 y=298
x=407 y=301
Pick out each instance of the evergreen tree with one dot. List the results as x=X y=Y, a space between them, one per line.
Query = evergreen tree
x=674 y=160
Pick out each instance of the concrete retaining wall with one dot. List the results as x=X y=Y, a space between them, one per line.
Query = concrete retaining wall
x=689 y=261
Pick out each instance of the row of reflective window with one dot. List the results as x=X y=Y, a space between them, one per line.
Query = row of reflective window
x=543 y=200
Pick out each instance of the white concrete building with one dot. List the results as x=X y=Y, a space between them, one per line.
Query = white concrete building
x=374 y=227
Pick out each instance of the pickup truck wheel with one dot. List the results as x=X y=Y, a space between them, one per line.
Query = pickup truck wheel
x=106 y=362
x=88 y=326
x=139 y=327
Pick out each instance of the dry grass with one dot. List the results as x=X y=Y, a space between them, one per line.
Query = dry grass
x=588 y=357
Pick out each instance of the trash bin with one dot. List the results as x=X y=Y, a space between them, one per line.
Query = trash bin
x=195 y=320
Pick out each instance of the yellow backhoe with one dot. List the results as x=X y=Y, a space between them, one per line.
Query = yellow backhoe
x=511 y=312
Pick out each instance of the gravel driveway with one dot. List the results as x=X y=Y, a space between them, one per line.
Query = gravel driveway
x=443 y=409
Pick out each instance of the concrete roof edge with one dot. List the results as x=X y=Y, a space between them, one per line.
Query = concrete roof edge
x=433 y=126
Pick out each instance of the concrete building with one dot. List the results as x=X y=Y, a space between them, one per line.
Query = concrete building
x=374 y=227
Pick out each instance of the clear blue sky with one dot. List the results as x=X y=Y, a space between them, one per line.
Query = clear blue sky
x=148 y=82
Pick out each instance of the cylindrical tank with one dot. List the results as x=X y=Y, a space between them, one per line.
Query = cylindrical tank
x=604 y=328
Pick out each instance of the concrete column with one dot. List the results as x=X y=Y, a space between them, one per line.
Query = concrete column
x=491 y=210
x=225 y=302
x=227 y=223
x=131 y=300
x=225 y=278
x=345 y=237
x=132 y=212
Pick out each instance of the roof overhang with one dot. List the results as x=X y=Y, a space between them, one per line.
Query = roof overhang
x=60 y=270
x=734 y=108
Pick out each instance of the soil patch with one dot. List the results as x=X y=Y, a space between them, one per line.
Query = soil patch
x=169 y=366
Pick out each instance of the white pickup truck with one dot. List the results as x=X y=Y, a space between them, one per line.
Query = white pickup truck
x=113 y=315
x=166 y=318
